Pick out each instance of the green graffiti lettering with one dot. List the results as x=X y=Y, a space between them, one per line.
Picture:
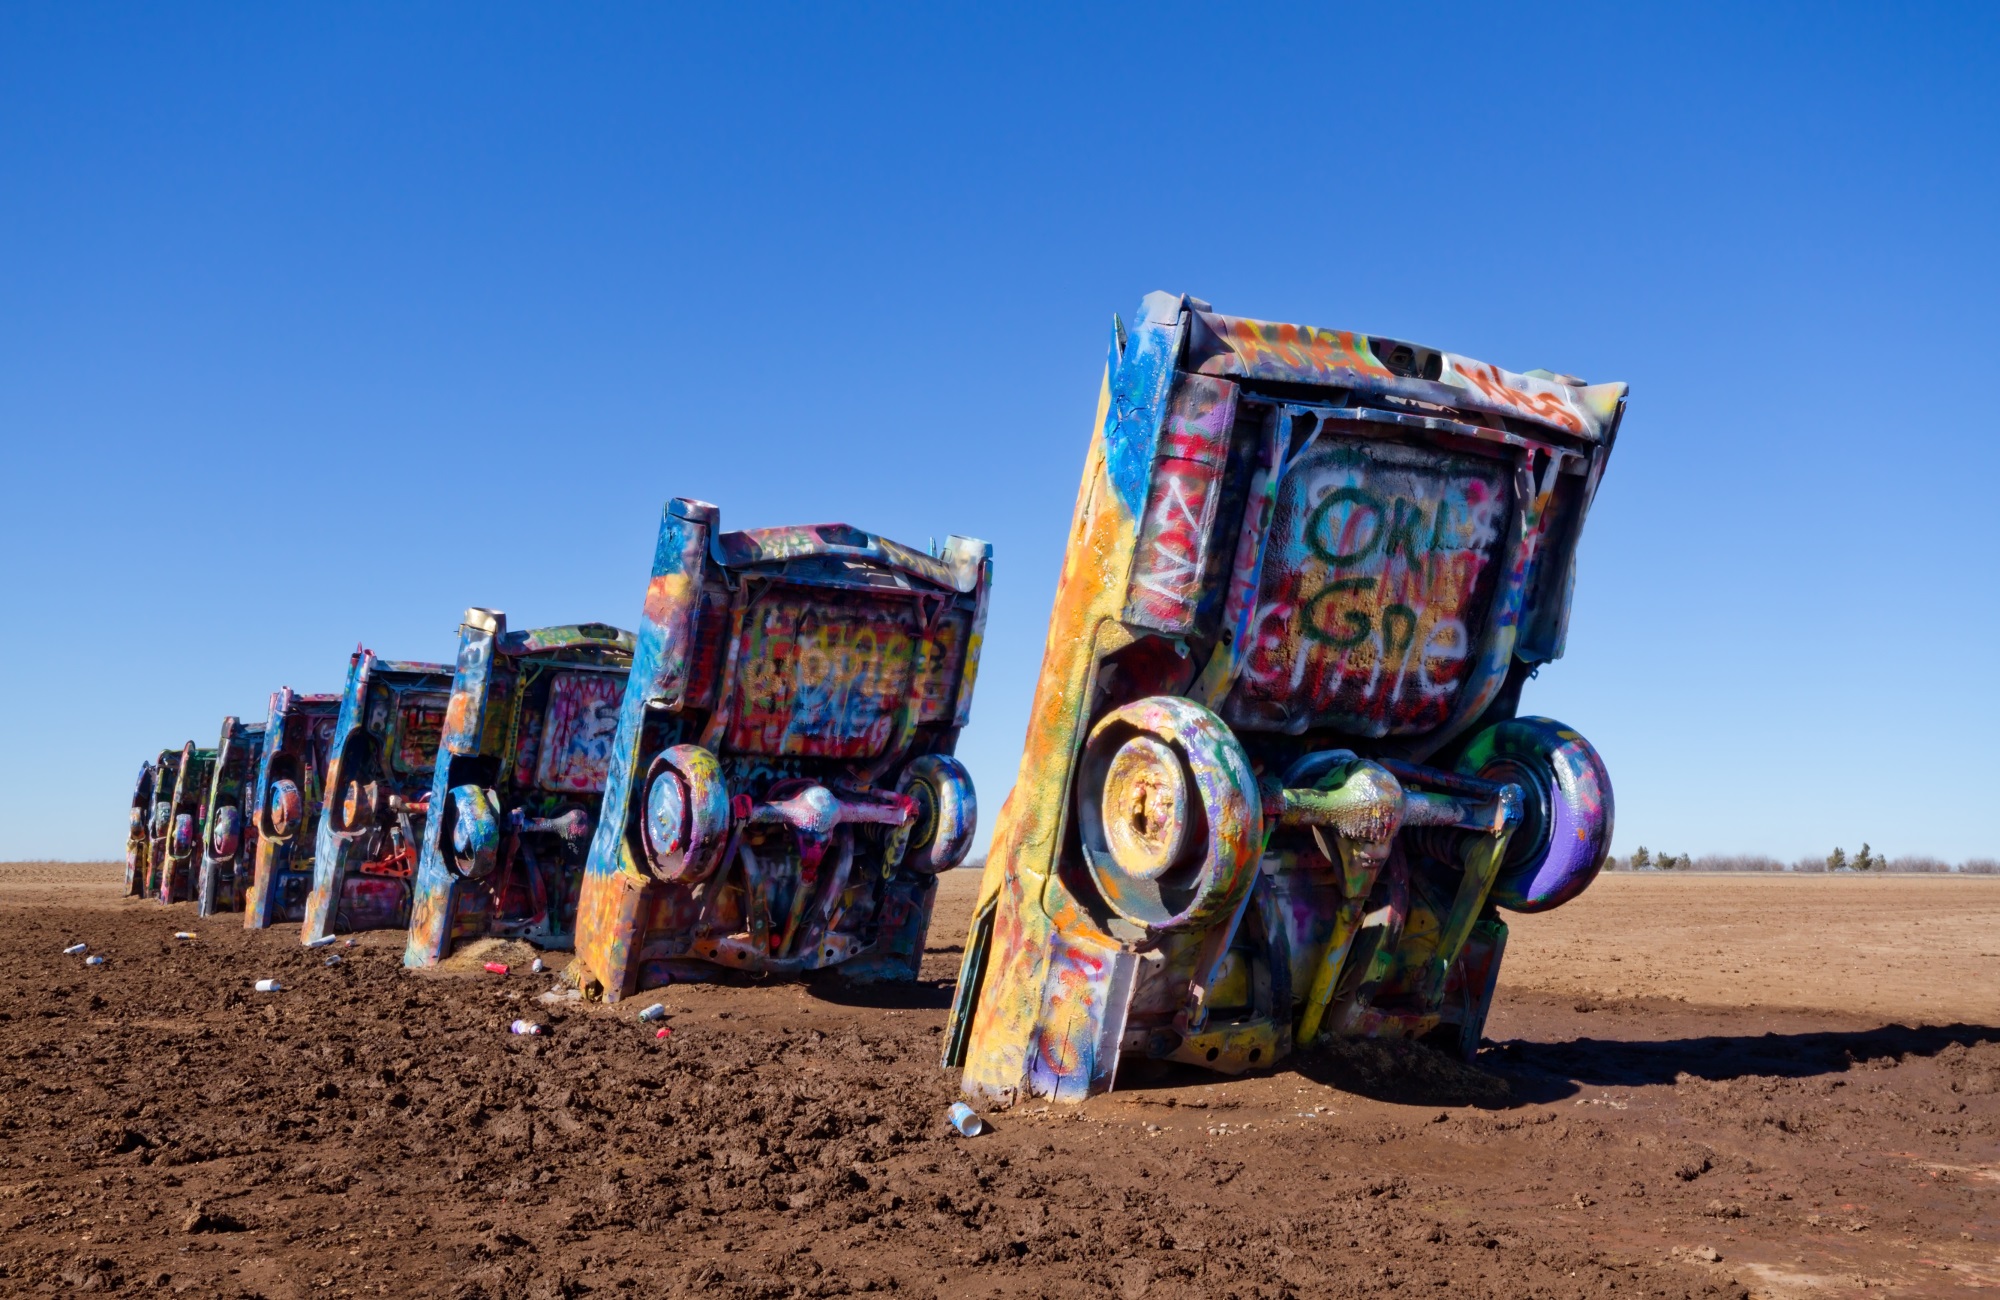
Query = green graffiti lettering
x=1399 y=628
x=1359 y=499
x=1404 y=527
x=1358 y=625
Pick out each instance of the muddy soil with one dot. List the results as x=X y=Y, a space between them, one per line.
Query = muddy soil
x=164 y=1129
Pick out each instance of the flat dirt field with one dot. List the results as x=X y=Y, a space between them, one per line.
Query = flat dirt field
x=1698 y=1085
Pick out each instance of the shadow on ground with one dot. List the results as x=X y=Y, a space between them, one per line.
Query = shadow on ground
x=1542 y=1071
x=922 y=995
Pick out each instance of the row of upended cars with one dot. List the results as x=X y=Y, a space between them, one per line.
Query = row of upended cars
x=1274 y=786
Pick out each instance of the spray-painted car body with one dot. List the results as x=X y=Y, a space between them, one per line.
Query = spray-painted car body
x=378 y=785
x=520 y=773
x=290 y=794
x=187 y=812
x=159 y=819
x=229 y=831
x=781 y=791
x=1273 y=786
x=139 y=831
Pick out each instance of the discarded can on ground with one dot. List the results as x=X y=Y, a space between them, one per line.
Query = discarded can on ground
x=965 y=1120
x=290 y=795
x=495 y=968
x=384 y=748
x=229 y=828
x=658 y=1011
x=74 y=949
x=537 y=966
x=184 y=934
x=268 y=986
x=520 y=776
x=332 y=959
x=1274 y=786
x=93 y=961
x=781 y=791
x=524 y=1027
x=326 y=941
x=662 y=1032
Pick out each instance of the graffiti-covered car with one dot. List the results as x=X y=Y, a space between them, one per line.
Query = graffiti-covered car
x=377 y=793
x=187 y=813
x=138 y=831
x=290 y=793
x=520 y=774
x=1274 y=785
x=229 y=831
x=164 y=768
x=782 y=793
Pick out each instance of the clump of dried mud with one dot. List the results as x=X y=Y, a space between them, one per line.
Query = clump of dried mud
x=373 y=1132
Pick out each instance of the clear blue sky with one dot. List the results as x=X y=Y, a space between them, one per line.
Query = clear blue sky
x=320 y=323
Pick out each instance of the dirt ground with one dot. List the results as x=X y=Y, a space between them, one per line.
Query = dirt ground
x=1698 y=1086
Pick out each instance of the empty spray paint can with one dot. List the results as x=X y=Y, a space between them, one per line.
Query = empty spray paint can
x=321 y=942
x=269 y=986
x=184 y=934
x=524 y=1027
x=964 y=1120
x=74 y=949
x=658 y=1011
x=93 y=961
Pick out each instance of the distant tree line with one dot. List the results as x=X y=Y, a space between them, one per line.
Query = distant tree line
x=1863 y=859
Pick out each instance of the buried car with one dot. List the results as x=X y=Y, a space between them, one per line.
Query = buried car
x=139 y=831
x=520 y=773
x=179 y=868
x=1274 y=787
x=229 y=833
x=290 y=792
x=159 y=791
x=781 y=792
x=377 y=792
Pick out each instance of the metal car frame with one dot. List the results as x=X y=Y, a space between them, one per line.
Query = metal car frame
x=229 y=832
x=138 y=831
x=290 y=794
x=522 y=763
x=1273 y=786
x=782 y=792
x=158 y=821
x=178 y=870
x=378 y=780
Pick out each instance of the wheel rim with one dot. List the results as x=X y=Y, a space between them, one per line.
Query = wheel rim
x=666 y=815
x=1188 y=822
x=1144 y=808
x=287 y=808
x=684 y=826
